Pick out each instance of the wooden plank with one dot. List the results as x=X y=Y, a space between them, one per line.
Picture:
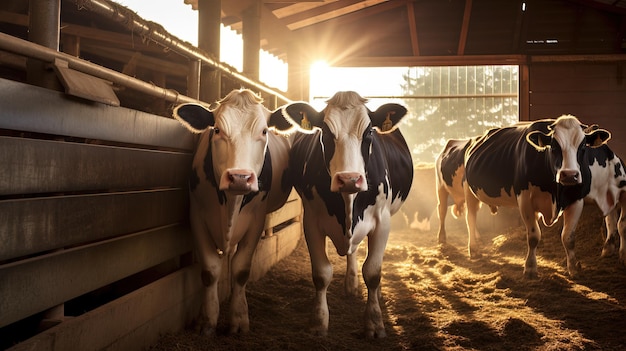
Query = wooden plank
x=85 y=86
x=30 y=226
x=31 y=286
x=164 y=306
x=291 y=209
x=33 y=109
x=43 y=166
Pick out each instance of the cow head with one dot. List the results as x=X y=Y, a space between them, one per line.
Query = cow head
x=565 y=141
x=238 y=139
x=346 y=128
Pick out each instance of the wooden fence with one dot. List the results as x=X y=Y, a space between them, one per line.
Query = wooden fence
x=94 y=235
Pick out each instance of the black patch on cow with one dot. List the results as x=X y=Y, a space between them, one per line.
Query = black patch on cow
x=451 y=160
x=196 y=115
x=502 y=160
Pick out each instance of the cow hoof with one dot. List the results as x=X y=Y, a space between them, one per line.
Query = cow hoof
x=206 y=331
x=575 y=270
x=608 y=251
x=319 y=331
x=376 y=334
x=531 y=274
x=475 y=255
x=238 y=329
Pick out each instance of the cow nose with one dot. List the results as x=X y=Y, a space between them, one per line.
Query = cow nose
x=239 y=181
x=348 y=182
x=569 y=177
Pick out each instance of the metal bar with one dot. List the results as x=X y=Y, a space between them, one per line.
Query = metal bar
x=136 y=25
x=428 y=96
x=28 y=49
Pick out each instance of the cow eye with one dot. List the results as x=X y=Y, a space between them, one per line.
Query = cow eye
x=216 y=130
x=264 y=131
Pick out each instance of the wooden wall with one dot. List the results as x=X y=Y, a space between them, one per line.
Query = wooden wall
x=593 y=92
x=89 y=194
x=95 y=246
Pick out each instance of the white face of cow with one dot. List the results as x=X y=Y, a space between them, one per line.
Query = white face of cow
x=564 y=143
x=569 y=136
x=235 y=134
x=238 y=147
x=346 y=165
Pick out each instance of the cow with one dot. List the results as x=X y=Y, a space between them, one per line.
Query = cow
x=538 y=167
x=353 y=170
x=239 y=174
x=608 y=183
x=608 y=192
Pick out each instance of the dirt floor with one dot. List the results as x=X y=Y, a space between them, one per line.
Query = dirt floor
x=436 y=298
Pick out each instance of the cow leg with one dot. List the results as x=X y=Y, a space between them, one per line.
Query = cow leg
x=621 y=224
x=442 y=209
x=372 y=271
x=568 y=237
x=322 y=272
x=211 y=266
x=472 y=206
x=351 y=283
x=240 y=272
x=611 y=241
x=533 y=235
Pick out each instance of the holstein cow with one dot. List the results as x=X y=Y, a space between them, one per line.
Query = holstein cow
x=238 y=176
x=353 y=170
x=538 y=167
x=608 y=191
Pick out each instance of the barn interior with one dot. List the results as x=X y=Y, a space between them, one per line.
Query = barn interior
x=571 y=56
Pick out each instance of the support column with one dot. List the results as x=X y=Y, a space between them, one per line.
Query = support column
x=251 y=33
x=298 y=75
x=44 y=19
x=209 y=20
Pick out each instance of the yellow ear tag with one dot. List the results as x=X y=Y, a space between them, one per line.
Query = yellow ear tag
x=387 y=124
x=305 y=123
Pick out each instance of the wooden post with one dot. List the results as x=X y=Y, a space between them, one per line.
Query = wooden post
x=209 y=20
x=43 y=28
x=193 y=80
x=251 y=33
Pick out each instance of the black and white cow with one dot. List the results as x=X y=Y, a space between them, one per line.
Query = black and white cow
x=353 y=170
x=238 y=176
x=608 y=191
x=539 y=167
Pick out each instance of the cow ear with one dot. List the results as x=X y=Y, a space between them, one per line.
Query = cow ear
x=303 y=115
x=597 y=137
x=279 y=121
x=194 y=117
x=387 y=116
x=538 y=140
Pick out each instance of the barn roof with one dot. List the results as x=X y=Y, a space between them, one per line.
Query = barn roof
x=407 y=32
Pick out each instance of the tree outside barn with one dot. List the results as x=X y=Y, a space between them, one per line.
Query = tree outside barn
x=456 y=102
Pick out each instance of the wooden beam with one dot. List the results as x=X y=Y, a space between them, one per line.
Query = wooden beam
x=411 y=61
x=464 y=27
x=413 y=29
